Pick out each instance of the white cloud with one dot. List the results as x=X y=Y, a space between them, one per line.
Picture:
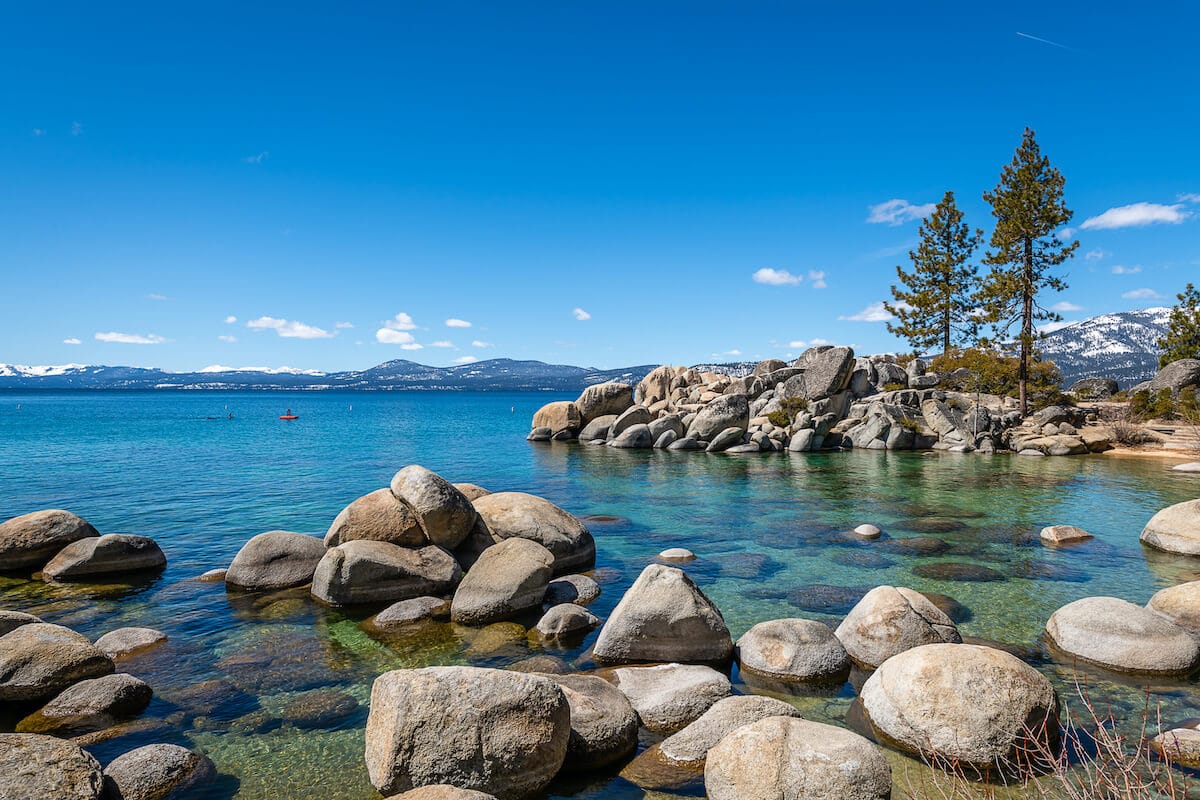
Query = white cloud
x=818 y=342
x=1141 y=294
x=401 y=322
x=581 y=315
x=76 y=128
x=343 y=325
x=776 y=277
x=1096 y=255
x=457 y=323
x=442 y=343
x=72 y=340
x=1051 y=327
x=412 y=346
x=39 y=131
x=1066 y=233
x=230 y=319
x=1135 y=215
x=392 y=336
x=897 y=212
x=872 y=313
x=257 y=159
x=478 y=343
x=157 y=297
x=227 y=338
x=1120 y=269
x=1188 y=197
x=1064 y=306
x=129 y=338
x=465 y=360
x=799 y=344
x=288 y=329
x=818 y=279
x=733 y=352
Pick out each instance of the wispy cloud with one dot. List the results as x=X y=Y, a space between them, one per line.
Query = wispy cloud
x=1065 y=307
x=153 y=296
x=72 y=340
x=817 y=278
x=776 y=277
x=1188 y=197
x=581 y=315
x=1121 y=269
x=76 y=128
x=872 y=313
x=38 y=131
x=230 y=320
x=258 y=158
x=1137 y=215
x=227 y=338
x=465 y=360
x=1031 y=37
x=1066 y=233
x=798 y=344
x=457 y=323
x=130 y=338
x=288 y=329
x=478 y=343
x=401 y=322
x=1141 y=294
x=344 y=326
x=733 y=352
x=897 y=212
x=1096 y=255
x=443 y=343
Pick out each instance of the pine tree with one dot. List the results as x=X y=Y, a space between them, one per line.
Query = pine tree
x=1182 y=339
x=1029 y=210
x=934 y=302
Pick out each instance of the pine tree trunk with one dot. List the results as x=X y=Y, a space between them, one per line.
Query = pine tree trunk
x=1026 y=325
x=946 y=331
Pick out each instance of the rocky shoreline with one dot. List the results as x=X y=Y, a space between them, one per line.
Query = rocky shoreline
x=827 y=399
x=426 y=549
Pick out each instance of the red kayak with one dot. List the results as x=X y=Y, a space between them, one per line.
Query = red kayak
x=290 y=416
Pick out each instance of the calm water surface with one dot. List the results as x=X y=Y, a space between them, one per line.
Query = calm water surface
x=237 y=677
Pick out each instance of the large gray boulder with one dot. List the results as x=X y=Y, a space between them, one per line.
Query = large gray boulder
x=689 y=747
x=157 y=772
x=603 y=399
x=634 y=415
x=579 y=589
x=1175 y=529
x=792 y=650
x=443 y=512
x=378 y=517
x=784 y=758
x=892 y=619
x=110 y=554
x=496 y=731
x=559 y=417
x=509 y=579
x=664 y=617
x=362 y=572
x=598 y=428
x=727 y=411
x=517 y=515
x=1180 y=604
x=604 y=726
x=442 y=791
x=35 y=767
x=39 y=660
x=655 y=386
x=92 y=704
x=828 y=372
x=1177 y=375
x=30 y=540
x=1121 y=636
x=668 y=697
x=408 y=612
x=565 y=621
x=966 y=704
x=275 y=560
x=11 y=620
x=125 y=641
x=1094 y=388
x=635 y=437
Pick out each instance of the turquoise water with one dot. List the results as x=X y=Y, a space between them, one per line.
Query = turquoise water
x=766 y=527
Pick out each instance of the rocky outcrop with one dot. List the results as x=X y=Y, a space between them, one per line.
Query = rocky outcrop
x=362 y=572
x=1122 y=636
x=158 y=772
x=275 y=560
x=443 y=512
x=664 y=617
x=890 y=620
x=604 y=726
x=39 y=660
x=966 y=704
x=559 y=418
x=517 y=515
x=35 y=766
x=30 y=540
x=604 y=399
x=669 y=697
x=1174 y=376
x=1175 y=529
x=501 y=732
x=799 y=650
x=689 y=747
x=795 y=759
x=510 y=578
x=1094 y=388
x=378 y=517
x=100 y=556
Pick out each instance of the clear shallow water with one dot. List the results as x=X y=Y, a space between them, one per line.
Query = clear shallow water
x=238 y=676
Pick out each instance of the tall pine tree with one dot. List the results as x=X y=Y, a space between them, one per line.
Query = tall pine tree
x=1182 y=339
x=933 y=304
x=1029 y=210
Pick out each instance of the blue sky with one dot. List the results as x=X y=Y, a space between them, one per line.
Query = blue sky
x=597 y=184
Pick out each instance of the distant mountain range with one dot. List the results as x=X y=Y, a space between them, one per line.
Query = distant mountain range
x=1121 y=346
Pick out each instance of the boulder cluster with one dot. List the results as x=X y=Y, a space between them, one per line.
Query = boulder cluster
x=64 y=547
x=826 y=399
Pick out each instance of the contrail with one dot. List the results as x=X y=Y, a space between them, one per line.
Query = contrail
x=1043 y=41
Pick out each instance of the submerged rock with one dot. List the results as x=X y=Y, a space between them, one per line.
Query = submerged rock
x=890 y=620
x=1181 y=745
x=406 y=612
x=91 y=705
x=517 y=515
x=112 y=553
x=35 y=767
x=1122 y=636
x=31 y=540
x=496 y=731
x=275 y=560
x=39 y=660
x=158 y=772
x=668 y=697
x=957 y=571
x=378 y=517
x=442 y=791
x=125 y=641
x=320 y=708
x=664 y=617
x=1057 y=535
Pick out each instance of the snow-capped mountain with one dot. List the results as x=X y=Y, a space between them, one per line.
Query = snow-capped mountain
x=1122 y=346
